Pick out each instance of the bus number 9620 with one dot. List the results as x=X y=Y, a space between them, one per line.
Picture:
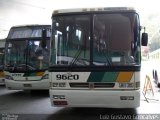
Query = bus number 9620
x=67 y=77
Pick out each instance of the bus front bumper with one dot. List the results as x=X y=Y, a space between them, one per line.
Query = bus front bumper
x=27 y=85
x=95 y=98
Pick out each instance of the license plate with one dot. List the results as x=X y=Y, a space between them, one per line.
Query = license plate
x=27 y=85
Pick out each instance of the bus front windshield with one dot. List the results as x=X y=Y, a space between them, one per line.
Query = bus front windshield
x=26 y=55
x=1 y=58
x=96 y=39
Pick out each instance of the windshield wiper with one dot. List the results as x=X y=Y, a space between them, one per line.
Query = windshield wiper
x=107 y=59
x=76 y=56
x=83 y=47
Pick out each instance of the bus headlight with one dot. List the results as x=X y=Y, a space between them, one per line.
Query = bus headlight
x=54 y=85
x=126 y=97
x=58 y=97
x=46 y=76
x=126 y=85
x=62 y=84
x=8 y=77
x=137 y=84
x=59 y=84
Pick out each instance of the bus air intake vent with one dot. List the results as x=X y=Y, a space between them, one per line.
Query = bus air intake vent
x=104 y=85
x=79 y=85
x=94 y=85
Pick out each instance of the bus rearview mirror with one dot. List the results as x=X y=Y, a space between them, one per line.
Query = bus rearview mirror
x=44 y=36
x=144 y=39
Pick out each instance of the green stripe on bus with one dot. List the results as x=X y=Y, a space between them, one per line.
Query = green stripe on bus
x=29 y=74
x=103 y=77
x=110 y=77
x=96 y=77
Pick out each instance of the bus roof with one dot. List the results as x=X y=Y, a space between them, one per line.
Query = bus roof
x=96 y=9
x=30 y=31
x=32 y=25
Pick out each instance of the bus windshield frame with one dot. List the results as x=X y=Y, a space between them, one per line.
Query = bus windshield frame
x=95 y=40
x=23 y=50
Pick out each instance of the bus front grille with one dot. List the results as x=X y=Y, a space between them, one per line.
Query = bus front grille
x=93 y=85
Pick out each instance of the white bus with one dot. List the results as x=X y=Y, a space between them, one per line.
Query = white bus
x=27 y=57
x=2 y=47
x=96 y=58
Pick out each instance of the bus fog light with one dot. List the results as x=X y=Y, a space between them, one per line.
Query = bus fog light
x=55 y=84
x=130 y=97
x=126 y=85
x=59 y=85
x=62 y=85
x=62 y=97
x=8 y=77
x=58 y=97
x=55 y=97
x=126 y=97
x=46 y=76
x=137 y=84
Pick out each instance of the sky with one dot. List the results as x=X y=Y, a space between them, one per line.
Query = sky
x=19 y=12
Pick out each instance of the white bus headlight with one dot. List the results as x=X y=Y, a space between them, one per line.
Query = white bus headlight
x=46 y=76
x=137 y=84
x=54 y=84
x=58 y=97
x=59 y=84
x=8 y=77
x=126 y=97
x=126 y=85
x=62 y=84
